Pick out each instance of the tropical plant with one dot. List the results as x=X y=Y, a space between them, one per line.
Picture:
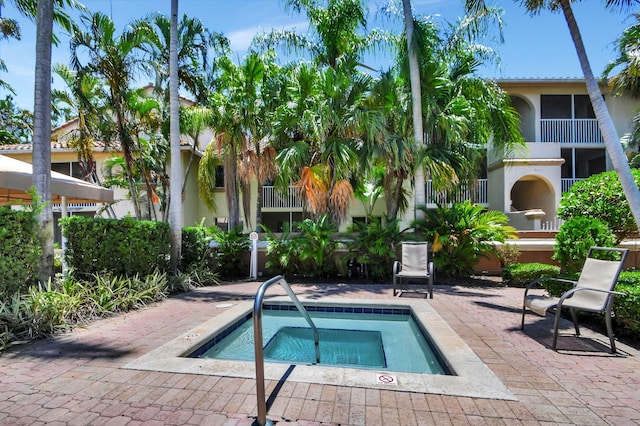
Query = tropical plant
x=576 y=236
x=281 y=252
x=337 y=34
x=230 y=251
x=610 y=205
x=16 y=124
x=316 y=246
x=115 y=58
x=461 y=234
x=317 y=134
x=374 y=246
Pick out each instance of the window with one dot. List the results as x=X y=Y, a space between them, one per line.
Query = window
x=566 y=106
x=70 y=169
x=219 y=177
x=580 y=163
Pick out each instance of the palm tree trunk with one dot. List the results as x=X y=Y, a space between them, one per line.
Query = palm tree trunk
x=609 y=133
x=416 y=98
x=231 y=185
x=42 y=135
x=175 y=212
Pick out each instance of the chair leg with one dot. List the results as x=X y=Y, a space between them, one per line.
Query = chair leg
x=394 y=285
x=574 y=317
x=430 y=288
x=524 y=310
x=556 y=324
x=610 y=331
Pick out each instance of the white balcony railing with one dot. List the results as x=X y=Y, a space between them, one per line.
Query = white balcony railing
x=274 y=200
x=567 y=183
x=475 y=191
x=584 y=130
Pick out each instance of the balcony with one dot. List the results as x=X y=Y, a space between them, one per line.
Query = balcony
x=567 y=183
x=475 y=191
x=274 y=200
x=570 y=131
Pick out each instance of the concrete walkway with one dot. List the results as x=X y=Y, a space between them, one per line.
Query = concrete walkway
x=78 y=379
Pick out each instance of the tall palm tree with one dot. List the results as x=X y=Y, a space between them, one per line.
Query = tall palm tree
x=416 y=100
x=175 y=213
x=195 y=47
x=318 y=130
x=607 y=128
x=116 y=59
x=42 y=135
x=337 y=37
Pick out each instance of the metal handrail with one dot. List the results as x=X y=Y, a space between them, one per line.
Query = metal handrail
x=257 y=340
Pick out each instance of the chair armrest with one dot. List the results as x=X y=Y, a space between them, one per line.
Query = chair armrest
x=431 y=269
x=537 y=281
x=397 y=267
x=574 y=290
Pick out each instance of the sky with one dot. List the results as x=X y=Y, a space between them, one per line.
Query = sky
x=536 y=46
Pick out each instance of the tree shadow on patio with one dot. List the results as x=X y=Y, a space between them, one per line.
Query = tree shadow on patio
x=59 y=349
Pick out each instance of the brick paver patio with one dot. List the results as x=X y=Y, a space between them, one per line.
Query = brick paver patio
x=78 y=379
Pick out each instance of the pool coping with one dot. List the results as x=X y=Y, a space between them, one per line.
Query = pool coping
x=473 y=378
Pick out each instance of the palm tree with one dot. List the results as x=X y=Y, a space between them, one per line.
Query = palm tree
x=194 y=49
x=338 y=33
x=239 y=118
x=116 y=60
x=416 y=97
x=42 y=135
x=317 y=130
x=607 y=128
x=175 y=213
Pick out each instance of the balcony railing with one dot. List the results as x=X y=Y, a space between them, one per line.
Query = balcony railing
x=274 y=200
x=567 y=183
x=585 y=130
x=475 y=191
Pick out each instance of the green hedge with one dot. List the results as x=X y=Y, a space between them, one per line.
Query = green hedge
x=19 y=251
x=627 y=307
x=521 y=274
x=121 y=246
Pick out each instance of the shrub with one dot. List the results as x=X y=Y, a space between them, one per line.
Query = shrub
x=229 y=254
x=627 y=307
x=461 y=234
x=575 y=238
x=19 y=251
x=198 y=263
x=521 y=274
x=195 y=245
x=125 y=247
x=46 y=310
x=281 y=253
x=601 y=196
x=374 y=246
x=316 y=247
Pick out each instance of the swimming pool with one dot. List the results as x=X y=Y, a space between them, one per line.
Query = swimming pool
x=359 y=337
x=471 y=377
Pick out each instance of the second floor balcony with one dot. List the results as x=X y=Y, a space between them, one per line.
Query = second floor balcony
x=476 y=191
x=580 y=131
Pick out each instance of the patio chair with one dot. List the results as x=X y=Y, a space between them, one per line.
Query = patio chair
x=414 y=264
x=592 y=292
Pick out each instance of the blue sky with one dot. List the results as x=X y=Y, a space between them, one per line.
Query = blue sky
x=535 y=46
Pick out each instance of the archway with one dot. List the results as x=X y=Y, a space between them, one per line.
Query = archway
x=533 y=192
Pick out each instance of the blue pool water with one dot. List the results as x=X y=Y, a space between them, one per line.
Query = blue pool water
x=360 y=337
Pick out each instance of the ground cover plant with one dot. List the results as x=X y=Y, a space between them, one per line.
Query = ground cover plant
x=64 y=303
